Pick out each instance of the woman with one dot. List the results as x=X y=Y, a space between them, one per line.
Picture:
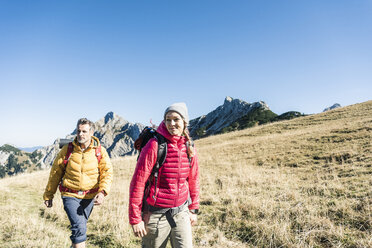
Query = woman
x=170 y=207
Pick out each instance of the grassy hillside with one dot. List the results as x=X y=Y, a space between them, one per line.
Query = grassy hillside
x=305 y=182
x=300 y=183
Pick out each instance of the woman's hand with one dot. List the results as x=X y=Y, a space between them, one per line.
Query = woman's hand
x=139 y=229
x=193 y=218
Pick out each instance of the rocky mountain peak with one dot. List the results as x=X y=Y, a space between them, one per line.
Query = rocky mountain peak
x=223 y=116
x=109 y=116
x=334 y=106
x=228 y=99
x=110 y=120
x=236 y=103
x=261 y=104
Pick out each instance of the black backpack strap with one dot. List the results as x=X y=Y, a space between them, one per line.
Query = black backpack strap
x=162 y=153
x=162 y=149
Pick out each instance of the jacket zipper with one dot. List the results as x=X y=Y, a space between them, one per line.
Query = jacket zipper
x=178 y=175
x=81 y=169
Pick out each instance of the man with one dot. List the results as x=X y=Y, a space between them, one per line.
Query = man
x=84 y=179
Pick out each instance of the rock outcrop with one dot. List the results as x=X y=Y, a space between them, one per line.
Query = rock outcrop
x=117 y=135
x=223 y=116
x=334 y=106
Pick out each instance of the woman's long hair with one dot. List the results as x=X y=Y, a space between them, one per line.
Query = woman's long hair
x=189 y=142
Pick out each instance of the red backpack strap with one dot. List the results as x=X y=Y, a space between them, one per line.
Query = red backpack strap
x=70 y=148
x=98 y=153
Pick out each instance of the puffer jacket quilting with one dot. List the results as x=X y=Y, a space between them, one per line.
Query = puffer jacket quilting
x=82 y=171
x=176 y=181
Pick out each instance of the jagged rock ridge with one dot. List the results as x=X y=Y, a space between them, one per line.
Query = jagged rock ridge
x=223 y=116
x=115 y=134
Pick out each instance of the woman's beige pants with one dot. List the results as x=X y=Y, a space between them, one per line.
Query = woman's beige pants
x=159 y=230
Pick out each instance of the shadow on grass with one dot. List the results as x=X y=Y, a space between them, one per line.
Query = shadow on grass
x=109 y=240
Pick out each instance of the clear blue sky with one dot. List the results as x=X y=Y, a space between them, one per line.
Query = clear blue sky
x=62 y=60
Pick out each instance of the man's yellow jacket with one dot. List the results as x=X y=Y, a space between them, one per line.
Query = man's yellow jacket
x=81 y=173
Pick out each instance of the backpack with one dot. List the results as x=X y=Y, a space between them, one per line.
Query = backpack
x=147 y=134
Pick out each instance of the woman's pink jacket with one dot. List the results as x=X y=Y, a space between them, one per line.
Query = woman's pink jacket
x=177 y=181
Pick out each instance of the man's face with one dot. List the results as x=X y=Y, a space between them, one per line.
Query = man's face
x=84 y=134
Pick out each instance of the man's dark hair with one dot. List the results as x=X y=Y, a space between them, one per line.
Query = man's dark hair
x=83 y=121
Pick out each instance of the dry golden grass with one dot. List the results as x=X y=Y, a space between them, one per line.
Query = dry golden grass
x=28 y=223
x=300 y=183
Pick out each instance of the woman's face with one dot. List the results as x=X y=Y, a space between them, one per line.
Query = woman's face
x=174 y=123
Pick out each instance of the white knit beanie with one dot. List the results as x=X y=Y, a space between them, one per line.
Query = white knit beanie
x=180 y=108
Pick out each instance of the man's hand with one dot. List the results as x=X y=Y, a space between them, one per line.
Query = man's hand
x=139 y=229
x=98 y=199
x=48 y=203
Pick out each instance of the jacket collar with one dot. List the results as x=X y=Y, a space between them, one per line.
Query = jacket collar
x=93 y=144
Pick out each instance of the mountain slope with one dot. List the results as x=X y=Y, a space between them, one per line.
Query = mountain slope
x=299 y=183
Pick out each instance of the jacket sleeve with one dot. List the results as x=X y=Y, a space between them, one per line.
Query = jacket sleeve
x=194 y=182
x=56 y=174
x=145 y=163
x=105 y=172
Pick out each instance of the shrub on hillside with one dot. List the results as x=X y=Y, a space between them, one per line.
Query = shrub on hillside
x=2 y=171
x=288 y=116
x=201 y=132
x=257 y=116
x=13 y=167
x=35 y=156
